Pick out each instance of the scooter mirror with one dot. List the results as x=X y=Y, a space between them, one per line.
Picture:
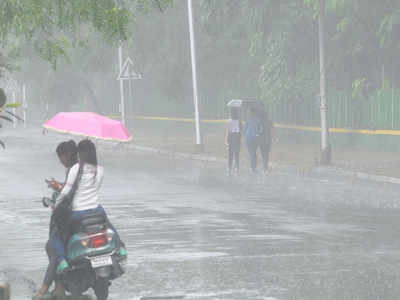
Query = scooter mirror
x=46 y=201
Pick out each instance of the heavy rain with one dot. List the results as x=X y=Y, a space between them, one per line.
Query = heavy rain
x=206 y=149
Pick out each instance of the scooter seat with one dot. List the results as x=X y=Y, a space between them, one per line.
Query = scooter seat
x=93 y=223
x=93 y=220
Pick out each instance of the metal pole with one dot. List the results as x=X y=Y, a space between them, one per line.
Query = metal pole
x=47 y=110
x=130 y=102
x=194 y=77
x=121 y=86
x=392 y=100
x=325 y=147
x=24 y=104
x=14 y=110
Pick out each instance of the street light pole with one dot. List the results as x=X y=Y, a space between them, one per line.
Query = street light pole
x=199 y=144
x=326 y=155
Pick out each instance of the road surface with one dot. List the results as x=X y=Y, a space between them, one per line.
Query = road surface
x=192 y=231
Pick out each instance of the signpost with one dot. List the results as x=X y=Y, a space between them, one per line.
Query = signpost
x=126 y=72
x=12 y=87
x=24 y=103
x=121 y=87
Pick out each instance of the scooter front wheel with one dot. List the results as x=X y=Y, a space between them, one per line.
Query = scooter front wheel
x=75 y=295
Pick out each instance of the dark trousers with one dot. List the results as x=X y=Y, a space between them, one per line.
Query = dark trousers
x=234 y=140
x=52 y=256
x=265 y=148
x=56 y=242
x=233 y=155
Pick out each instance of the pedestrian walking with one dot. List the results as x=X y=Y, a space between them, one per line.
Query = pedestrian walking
x=233 y=137
x=254 y=133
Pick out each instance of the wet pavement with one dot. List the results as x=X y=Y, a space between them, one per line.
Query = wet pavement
x=195 y=233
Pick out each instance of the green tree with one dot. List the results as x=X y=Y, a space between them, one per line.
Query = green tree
x=250 y=49
x=52 y=26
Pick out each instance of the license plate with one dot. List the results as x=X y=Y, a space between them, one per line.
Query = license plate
x=101 y=261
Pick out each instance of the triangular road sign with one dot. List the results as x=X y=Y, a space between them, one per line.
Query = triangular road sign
x=127 y=71
x=12 y=86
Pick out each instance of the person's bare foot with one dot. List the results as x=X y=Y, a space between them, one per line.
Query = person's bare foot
x=41 y=296
x=59 y=292
x=43 y=290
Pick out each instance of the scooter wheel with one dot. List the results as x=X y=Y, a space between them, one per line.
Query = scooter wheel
x=101 y=288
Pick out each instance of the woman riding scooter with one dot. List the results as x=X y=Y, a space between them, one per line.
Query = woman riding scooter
x=84 y=180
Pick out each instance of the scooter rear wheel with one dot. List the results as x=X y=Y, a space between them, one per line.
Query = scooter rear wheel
x=101 y=288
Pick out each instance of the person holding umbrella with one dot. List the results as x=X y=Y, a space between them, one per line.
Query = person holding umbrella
x=77 y=199
x=233 y=136
x=254 y=133
x=84 y=180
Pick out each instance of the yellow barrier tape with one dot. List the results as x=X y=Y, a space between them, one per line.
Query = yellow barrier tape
x=341 y=130
x=188 y=120
x=277 y=125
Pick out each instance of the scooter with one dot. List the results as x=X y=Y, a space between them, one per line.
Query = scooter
x=93 y=255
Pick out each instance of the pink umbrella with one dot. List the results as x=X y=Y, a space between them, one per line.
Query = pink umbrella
x=90 y=125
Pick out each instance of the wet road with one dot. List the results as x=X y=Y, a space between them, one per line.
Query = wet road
x=193 y=231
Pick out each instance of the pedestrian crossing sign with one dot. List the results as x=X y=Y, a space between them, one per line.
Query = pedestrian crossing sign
x=12 y=86
x=127 y=71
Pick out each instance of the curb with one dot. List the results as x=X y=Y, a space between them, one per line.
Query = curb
x=359 y=175
x=146 y=149
x=199 y=157
x=206 y=158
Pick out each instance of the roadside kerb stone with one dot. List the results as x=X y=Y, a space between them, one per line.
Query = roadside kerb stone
x=358 y=175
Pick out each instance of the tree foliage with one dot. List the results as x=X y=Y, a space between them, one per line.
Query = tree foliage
x=363 y=40
x=245 y=49
x=53 y=26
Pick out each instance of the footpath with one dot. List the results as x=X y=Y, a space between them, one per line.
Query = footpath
x=300 y=157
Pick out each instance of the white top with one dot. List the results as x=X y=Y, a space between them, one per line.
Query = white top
x=234 y=126
x=87 y=193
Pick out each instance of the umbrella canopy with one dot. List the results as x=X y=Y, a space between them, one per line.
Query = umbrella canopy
x=89 y=124
x=235 y=103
